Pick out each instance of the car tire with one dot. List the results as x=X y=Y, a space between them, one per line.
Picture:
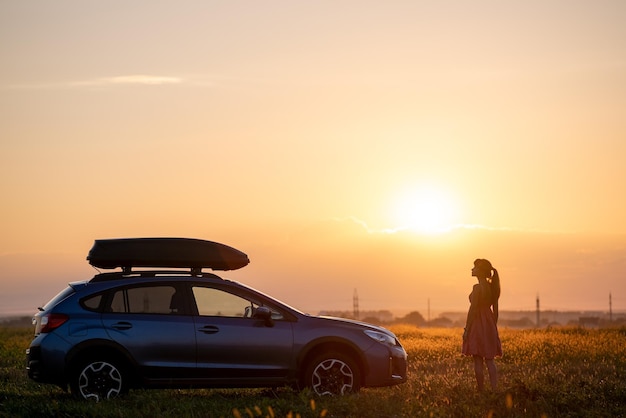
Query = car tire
x=333 y=373
x=98 y=379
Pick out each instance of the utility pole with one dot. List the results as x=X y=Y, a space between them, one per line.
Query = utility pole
x=538 y=318
x=355 y=305
x=429 y=311
x=610 y=308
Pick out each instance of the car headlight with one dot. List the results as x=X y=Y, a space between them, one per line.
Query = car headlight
x=381 y=337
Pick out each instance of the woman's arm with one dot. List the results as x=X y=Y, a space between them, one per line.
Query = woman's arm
x=471 y=313
x=495 y=310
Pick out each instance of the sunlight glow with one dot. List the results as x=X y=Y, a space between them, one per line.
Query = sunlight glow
x=427 y=209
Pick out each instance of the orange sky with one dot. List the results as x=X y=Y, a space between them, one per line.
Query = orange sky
x=309 y=134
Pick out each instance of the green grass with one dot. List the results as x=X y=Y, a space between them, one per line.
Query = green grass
x=559 y=372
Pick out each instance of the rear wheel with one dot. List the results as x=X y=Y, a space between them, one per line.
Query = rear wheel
x=98 y=379
x=333 y=373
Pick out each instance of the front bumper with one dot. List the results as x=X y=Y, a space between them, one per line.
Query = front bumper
x=398 y=365
x=388 y=367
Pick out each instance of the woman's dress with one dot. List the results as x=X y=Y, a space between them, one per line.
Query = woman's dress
x=482 y=337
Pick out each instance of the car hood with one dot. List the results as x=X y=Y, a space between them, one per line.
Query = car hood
x=360 y=324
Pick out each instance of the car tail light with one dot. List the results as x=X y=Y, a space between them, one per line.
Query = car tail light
x=50 y=322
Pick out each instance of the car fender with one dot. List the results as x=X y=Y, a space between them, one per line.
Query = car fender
x=98 y=345
x=313 y=348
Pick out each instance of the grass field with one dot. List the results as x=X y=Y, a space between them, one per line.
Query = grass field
x=559 y=372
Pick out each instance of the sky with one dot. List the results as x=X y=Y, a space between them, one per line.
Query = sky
x=377 y=147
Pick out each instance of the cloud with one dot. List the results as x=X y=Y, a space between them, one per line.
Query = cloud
x=102 y=82
x=194 y=80
x=138 y=79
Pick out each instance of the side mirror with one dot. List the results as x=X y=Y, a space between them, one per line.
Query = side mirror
x=264 y=313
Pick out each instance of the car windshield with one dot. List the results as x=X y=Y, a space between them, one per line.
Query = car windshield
x=273 y=299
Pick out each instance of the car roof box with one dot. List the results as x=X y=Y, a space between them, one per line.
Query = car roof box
x=165 y=252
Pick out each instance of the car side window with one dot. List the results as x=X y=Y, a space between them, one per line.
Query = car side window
x=144 y=300
x=92 y=303
x=216 y=302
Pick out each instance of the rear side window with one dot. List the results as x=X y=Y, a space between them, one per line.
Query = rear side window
x=92 y=303
x=144 y=300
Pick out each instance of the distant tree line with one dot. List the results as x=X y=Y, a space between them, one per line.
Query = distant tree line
x=507 y=319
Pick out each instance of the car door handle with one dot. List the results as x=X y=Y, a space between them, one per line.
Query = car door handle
x=209 y=329
x=121 y=326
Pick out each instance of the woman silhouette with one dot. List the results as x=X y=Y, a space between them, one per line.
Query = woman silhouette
x=481 y=339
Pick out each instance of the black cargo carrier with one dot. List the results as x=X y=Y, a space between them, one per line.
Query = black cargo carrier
x=196 y=254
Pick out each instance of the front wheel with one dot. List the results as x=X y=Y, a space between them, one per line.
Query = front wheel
x=333 y=373
x=98 y=379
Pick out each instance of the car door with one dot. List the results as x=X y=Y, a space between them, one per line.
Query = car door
x=235 y=347
x=149 y=321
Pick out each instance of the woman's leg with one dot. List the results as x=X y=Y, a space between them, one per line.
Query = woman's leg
x=480 y=374
x=493 y=372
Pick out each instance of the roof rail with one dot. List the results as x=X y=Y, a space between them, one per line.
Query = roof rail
x=127 y=274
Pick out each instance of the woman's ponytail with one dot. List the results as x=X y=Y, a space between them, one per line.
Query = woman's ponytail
x=495 y=292
x=495 y=285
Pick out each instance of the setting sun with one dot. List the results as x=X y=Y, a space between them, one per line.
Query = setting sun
x=426 y=209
